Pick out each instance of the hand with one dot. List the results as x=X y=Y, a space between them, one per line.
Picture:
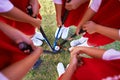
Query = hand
x=90 y=27
x=73 y=4
x=38 y=50
x=25 y=44
x=36 y=22
x=75 y=50
x=75 y=58
x=35 y=7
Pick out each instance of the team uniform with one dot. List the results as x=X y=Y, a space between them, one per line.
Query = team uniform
x=9 y=52
x=104 y=16
x=73 y=17
x=24 y=27
x=107 y=68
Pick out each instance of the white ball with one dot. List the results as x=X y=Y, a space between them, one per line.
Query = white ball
x=57 y=48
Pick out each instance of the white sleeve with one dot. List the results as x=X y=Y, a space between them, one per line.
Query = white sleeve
x=5 y=5
x=2 y=77
x=57 y=1
x=111 y=54
x=95 y=4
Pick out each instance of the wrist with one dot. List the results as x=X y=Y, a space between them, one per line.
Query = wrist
x=73 y=66
x=97 y=27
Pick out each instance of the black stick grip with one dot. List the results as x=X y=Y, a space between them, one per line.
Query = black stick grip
x=24 y=46
x=30 y=11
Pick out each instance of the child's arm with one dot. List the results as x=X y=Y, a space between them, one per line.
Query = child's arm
x=73 y=4
x=58 y=8
x=93 y=52
x=19 y=69
x=74 y=59
x=92 y=27
x=14 y=13
x=110 y=54
x=15 y=34
x=18 y=15
x=92 y=9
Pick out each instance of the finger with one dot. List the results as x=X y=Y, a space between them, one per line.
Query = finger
x=84 y=28
x=68 y=6
x=27 y=51
x=71 y=49
x=39 y=50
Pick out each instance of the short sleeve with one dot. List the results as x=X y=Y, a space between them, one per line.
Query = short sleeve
x=2 y=77
x=57 y=1
x=111 y=54
x=95 y=4
x=5 y=5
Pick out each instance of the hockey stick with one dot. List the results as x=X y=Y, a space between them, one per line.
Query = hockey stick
x=47 y=41
x=63 y=20
x=30 y=12
x=24 y=46
x=68 y=39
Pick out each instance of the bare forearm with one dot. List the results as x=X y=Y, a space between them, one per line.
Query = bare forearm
x=69 y=72
x=58 y=8
x=14 y=34
x=18 y=15
x=109 y=32
x=87 y=16
x=18 y=70
x=93 y=52
x=74 y=4
x=72 y=67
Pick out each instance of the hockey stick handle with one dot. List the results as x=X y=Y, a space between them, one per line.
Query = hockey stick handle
x=24 y=46
x=30 y=12
x=63 y=20
x=41 y=30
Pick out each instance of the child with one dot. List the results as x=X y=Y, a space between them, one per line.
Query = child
x=17 y=70
x=103 y=66
x=23 y=26
x=103 y=16
x=75 y=7
x=7 y=45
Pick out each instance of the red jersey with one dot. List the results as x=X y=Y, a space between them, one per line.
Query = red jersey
x=107 y=15
x=9 y=53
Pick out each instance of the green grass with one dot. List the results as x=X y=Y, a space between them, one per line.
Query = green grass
x=47 y=70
